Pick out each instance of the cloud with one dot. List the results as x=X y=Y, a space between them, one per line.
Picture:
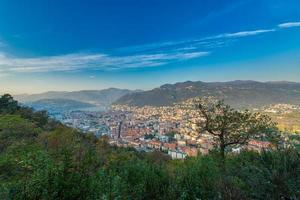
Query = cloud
x=203 y=44
x=73 y=62
x=140 y=56
x=289 y=24
x=247 y=33
x=241 y=34
x=3 y=74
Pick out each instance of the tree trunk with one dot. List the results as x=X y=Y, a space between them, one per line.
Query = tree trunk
x=222 y=153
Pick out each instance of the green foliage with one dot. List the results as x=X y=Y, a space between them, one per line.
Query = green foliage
x=149 y=136
x=230 y=127
x=171 y=135
x=8 y=104
x=14 y=129
x=195 y=178
x=276 y=173
x=41 y=159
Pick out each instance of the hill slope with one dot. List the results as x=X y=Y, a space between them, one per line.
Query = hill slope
x=236 y=93
x=95 y=97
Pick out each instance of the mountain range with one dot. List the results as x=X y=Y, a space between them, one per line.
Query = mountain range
x=239 y=94
x=95 y=97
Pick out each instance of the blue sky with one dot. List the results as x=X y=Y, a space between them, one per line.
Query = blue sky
x=141 y=44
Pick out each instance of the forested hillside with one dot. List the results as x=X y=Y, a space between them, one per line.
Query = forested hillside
x=239 y=94
x=43 y=159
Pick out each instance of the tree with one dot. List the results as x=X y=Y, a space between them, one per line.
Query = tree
x=231 y=127
x=8 y=104
x=171 y=135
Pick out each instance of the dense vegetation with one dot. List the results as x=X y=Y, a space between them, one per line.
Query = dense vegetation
x=43 y=159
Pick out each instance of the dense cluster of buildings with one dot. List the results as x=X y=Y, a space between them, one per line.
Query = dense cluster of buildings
x=170 y=129
x=281 y=108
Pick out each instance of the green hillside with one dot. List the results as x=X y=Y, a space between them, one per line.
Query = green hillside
x=239 y=94
x=42 y=159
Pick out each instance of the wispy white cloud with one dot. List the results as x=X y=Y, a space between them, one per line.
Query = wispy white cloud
x=213 y=41
x=73 y=62
x=289 y=24
x=210 y=42
x=140 y=56
x=241 y=34
x=204 y=43
x=3 y=74
x=248 y=33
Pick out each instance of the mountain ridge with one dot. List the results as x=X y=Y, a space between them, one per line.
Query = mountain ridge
x=239 y=93
x=97 y=97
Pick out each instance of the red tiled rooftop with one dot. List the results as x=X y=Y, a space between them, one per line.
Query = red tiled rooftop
x=261 y=144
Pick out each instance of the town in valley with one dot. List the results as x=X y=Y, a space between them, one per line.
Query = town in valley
x=173 y=130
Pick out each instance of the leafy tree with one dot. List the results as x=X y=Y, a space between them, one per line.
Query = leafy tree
x=8 y=104
x=195 y=178
x=231 y=127
x=149 y=136
x=171 y=135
